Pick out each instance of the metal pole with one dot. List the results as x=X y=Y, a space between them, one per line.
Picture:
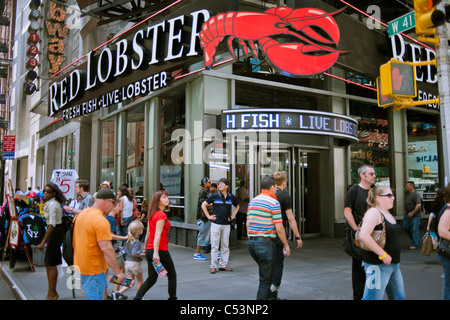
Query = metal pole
x=443 y=72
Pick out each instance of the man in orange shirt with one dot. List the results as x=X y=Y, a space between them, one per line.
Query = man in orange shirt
x=93 y=250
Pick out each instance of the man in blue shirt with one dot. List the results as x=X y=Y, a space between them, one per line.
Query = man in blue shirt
x=220 y=224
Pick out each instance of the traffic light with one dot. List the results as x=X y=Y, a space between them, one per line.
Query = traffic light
x=398 y=79
x=427 y=18
x=383 y=101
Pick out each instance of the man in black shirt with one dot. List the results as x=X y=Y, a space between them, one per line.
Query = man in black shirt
x=220 y=224
x=285 y=201
x=354 y=208
x=203 y=223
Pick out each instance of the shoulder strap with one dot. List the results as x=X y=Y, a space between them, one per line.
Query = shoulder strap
x=382 y=219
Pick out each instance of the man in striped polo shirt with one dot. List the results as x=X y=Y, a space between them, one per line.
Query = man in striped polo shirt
x=264 y=222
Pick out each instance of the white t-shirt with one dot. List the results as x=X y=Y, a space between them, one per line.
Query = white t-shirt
x=127 y=209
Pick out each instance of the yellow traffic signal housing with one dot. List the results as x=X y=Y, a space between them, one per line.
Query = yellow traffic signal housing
x=427 y=18
x=383 y=101
x=398 y=79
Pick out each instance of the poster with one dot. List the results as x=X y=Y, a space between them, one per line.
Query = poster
x=65 y=180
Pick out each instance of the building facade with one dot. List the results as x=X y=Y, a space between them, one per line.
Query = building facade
x=128 y=99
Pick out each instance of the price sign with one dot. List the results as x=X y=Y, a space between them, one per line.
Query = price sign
x=65 y=180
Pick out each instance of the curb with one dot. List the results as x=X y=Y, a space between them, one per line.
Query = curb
x=14 y=288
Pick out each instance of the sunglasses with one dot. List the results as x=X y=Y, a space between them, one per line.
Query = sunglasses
x=47 y=191
x=389 y=195
x=371 y=173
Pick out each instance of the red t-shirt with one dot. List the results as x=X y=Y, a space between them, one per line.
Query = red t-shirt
x=164 y=242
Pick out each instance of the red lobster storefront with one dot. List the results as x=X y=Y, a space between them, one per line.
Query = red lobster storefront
x=221 y=90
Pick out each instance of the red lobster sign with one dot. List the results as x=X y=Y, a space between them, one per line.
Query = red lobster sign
x=298 y=42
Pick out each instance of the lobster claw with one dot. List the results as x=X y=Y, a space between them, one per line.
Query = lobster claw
x=313 y=49
x=297 y=59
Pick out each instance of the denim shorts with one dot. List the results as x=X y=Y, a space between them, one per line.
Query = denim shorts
x=204 y=229
x=94 y=286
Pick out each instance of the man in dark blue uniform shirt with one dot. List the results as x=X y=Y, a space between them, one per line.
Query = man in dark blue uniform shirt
x=220 y=224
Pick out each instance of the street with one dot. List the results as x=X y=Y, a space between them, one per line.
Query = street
x=318 y=271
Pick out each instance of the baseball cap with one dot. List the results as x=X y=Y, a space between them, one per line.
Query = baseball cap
x=204 y=180
x=106 y=194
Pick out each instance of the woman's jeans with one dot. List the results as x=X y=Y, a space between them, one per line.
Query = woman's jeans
x=166 y=261
x=446 y=264
x=381 y=278
x=262 y=251
x=124 y=228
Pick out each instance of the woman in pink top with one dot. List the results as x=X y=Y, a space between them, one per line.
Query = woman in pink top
x=157 y=242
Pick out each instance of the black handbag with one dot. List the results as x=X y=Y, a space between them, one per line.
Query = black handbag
x=443 y=247
x=349 y=245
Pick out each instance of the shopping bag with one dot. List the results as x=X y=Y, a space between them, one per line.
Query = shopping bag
x=427 y=245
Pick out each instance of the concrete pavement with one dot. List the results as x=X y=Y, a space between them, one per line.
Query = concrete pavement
x=318 y=271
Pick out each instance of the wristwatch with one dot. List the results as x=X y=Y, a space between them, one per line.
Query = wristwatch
x=298 y=238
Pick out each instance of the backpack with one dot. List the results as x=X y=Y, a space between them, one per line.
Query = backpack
x=67 y=251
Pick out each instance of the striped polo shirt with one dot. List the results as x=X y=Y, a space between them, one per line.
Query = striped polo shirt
x=263 y=212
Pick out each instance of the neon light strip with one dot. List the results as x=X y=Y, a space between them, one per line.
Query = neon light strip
x=59 y=119
x=384 y=24
x=104 y=44
x=193 y=72
x=352 y=82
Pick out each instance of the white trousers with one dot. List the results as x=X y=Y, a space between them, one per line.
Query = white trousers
x=220 y=236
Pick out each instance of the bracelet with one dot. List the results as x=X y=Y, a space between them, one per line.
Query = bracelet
x=298 y=238
x=383 y=256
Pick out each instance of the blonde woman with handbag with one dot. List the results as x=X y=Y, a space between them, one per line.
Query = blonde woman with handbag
x=382 y=265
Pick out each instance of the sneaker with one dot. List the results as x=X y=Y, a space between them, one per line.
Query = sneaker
x=412 y=248
x=199 y=256
x=116 y=295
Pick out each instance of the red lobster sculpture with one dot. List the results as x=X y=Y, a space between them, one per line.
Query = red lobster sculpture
x=296 y=42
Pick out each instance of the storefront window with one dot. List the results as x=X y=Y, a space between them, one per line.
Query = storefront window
x=68 y=151
x=108 y=151
x=372 y=147
x=423 y=164
x=257 y=96
x=173 y=112
x=135 y=150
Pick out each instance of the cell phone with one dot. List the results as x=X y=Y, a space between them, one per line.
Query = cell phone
x=127 y=283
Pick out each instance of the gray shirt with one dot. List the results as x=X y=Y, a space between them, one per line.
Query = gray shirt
x=411 y=199
x=131 y=249
x=86 y=201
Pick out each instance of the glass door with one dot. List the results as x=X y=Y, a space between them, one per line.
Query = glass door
x=270 y=161
x=308 y=192
x=253 y=161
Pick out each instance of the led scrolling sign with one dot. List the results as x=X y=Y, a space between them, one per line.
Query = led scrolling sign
x=297 y=43
x=290 y=121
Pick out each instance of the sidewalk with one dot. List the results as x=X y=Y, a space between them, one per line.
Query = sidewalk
x=318 y=271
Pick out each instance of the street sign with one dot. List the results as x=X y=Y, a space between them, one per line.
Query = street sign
x=9 y=147
x=401 y=24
